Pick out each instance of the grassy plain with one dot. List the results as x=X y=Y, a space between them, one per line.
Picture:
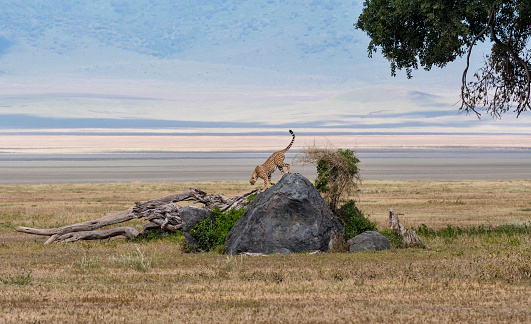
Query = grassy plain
x=481 y=278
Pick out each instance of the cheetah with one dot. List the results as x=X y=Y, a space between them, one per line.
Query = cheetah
x=276 y=159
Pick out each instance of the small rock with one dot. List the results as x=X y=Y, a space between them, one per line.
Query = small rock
x=369 y=241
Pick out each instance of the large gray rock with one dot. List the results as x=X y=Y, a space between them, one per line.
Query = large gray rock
x=369 y=241
x=190 y=216
x=289 y=217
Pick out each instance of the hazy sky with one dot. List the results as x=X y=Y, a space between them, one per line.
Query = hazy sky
x=220 y=67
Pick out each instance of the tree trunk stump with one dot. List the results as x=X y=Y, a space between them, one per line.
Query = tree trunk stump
x=409 y=236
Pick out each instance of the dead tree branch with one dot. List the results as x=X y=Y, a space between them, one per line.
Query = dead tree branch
x=160 y=213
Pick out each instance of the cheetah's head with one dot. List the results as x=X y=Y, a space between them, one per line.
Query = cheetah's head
x=253 y=178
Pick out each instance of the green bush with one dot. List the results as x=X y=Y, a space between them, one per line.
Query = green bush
x=329 y=169
x=353 y=220
x=210 y=235
x=396 y=239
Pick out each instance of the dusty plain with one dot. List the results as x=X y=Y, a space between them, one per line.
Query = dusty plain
x=57 y=143
x=483 y=278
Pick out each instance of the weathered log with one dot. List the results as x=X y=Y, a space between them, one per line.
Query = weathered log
x=238 y=201
x=410 y=237
x=208 y=200
x=148 y=228
x=166 y=217
x=128 y=232
x=165 y=225
x=80 y=227
x=144 y=208
x=161 y=212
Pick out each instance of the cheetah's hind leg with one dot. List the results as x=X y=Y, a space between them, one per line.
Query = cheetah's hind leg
x=281 y=168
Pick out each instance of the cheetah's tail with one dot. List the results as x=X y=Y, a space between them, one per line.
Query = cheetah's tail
x=291 y=143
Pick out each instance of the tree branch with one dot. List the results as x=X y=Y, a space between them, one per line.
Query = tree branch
x=520 y=61
x=472 y=44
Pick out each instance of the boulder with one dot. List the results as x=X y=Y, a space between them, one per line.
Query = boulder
x=190 y=216
x=369 y=241
x=287 y=218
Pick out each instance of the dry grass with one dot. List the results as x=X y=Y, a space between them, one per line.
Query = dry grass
x=480 y=279
x=438 y=203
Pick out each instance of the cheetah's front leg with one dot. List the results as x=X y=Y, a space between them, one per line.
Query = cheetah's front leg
x=265 y=185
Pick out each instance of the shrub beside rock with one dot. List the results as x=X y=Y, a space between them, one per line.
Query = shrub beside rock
x=353 y=220
x=191 y=216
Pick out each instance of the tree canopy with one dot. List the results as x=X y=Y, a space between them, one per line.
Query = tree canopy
x=427 y=33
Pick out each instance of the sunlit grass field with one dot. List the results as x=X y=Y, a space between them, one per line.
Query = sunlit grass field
x=467 y=276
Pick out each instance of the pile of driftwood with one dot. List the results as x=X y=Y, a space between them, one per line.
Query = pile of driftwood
x=161 y=213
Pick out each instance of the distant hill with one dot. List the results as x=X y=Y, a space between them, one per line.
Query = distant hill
x=212 y=64
x=282 y=39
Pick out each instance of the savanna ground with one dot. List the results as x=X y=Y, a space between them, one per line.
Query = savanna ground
x=460 y=277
